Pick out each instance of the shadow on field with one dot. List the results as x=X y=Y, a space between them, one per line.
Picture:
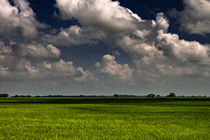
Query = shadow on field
x=95 y=100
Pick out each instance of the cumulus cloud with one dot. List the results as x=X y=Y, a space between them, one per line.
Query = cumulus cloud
x=109 y=66
x=74 y=35
x=19 y=18
x=36 y=50
x=175 y=70
x=38 y=61
x=105 y=15
x=140 y=51
x=187 y=52
x=195 y=17
x=37 y=58
x=154 y=51
x=19 y=56
x=66 y=69
x=148 y=43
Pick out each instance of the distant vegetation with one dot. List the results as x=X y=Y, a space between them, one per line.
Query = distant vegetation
x=4 y=95
x=172 y=94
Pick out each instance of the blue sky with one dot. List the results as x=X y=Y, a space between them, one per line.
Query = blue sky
x=103 y=47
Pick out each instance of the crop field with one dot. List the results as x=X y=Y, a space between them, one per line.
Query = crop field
x=105 y=118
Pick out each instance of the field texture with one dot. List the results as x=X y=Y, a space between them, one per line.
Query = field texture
x=105 y=118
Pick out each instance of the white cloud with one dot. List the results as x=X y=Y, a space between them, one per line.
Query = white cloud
x=35 y=60
x=153 y=51
x=156 y=52
x=19 y=18
x=162 y=22
x=195 y=18
x=105 y=15
x=74 y=35
x=140 y=51
x=32 y=70
x=147 y=42
x=4 y=49
x=109 y=66
x=167 y=69
x=65 y=69
x=37 y=50
x=85 y=76
x=62 y=66
x=188 y=52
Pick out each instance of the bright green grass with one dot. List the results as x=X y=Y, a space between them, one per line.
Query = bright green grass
x=126 y=119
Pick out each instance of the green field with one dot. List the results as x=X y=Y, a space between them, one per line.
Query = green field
x=105 y=118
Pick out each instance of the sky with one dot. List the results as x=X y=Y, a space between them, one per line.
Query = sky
x=104 y=47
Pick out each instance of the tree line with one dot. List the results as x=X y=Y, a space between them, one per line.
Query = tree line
x=172 y=94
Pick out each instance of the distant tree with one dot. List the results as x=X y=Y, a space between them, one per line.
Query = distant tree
x=81 y=95
x=4 y=95
x=22 y=96
x=171 y=95
x=158 y=96
x=150 y=95
x=116 y=95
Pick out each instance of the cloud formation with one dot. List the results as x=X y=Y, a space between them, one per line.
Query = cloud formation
x=186 y=52
x=19 y=19
x=195 y=18
x=74 y=35
x=36 y=50
x=154 y=53
x=38 y=61
x=109 y=66
x=154 y=50
x=147 y=42
x=107 y=16
x=31 y=56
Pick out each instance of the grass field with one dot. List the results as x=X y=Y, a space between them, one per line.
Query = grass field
x=105 y=118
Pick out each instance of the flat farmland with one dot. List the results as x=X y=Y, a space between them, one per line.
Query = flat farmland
x=105 y=118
